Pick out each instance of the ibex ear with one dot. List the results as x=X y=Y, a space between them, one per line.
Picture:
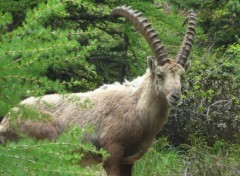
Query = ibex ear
x=187 y=66
x=151 y=64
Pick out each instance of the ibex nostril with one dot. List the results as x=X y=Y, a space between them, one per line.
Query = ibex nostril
x=176 y=97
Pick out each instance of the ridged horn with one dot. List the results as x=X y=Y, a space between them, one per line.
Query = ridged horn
x=142 y=25
x=187 y=43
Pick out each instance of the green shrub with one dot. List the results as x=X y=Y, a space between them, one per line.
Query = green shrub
x=220 y=160
x=60 y=157
x=211 y=104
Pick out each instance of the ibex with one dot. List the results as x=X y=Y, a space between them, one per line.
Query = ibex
x=125 y=117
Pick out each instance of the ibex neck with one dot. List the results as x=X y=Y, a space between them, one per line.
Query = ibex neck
x=151 y=105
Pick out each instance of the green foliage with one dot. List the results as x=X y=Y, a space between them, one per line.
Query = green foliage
x=28 y=52
x=60 y=157
x=196 y=159
x=161 y=159
x=27 y=113
x=211 y=100
x=219 y=19
x=5 y=18
x=20 y=7
x=220 y=160
x=211 y=88
x=18 y=10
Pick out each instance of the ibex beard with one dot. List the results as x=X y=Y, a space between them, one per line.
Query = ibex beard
x=126 y=117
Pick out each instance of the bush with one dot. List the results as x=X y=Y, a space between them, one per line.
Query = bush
x=211 y=105
x=220 y=160
x=60 y=157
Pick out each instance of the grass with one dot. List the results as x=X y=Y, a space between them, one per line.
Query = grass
x=160 y=163
x=162 y=159
x=196 y=159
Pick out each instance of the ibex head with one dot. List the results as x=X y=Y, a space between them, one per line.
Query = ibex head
x=166 y=73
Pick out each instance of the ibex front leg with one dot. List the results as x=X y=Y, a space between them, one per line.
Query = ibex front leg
x=126 y=169
x=112 y=164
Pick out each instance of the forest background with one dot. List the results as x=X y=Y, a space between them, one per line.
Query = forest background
x=60 y=46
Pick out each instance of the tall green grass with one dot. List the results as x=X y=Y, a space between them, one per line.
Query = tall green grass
x=159 y=163
x=161 y=159
x=195 y=159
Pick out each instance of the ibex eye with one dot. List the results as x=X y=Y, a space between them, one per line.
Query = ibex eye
x=160 y=76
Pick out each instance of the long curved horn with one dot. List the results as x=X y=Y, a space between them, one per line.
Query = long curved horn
x=186 y=46
x=141 y=23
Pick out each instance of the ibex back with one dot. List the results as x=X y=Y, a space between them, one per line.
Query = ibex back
x=126 y=117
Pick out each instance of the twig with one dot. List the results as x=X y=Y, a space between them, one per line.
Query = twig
x=186 y=170
x=217 y=102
